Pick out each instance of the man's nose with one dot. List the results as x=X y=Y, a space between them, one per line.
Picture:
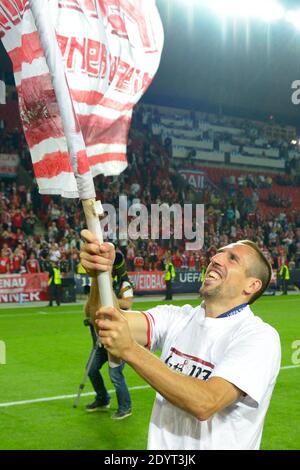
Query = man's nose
x=217 y=258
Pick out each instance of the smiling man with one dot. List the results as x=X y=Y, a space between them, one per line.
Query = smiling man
x=219 y=362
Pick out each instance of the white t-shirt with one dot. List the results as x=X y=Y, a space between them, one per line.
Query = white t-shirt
x=241 y=349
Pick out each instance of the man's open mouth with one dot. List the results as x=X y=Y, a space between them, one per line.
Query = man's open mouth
x=214 y=274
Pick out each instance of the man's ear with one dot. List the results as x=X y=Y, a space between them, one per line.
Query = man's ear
x=254 y=285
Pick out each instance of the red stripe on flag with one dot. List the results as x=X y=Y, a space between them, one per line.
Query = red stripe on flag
x=82 y=162
x=55 y=163
x=100 y=130
x=39 y=109
x=52 y=165
x=94 y=98
x=107 y=157
x=30 y=50
x=89 y=11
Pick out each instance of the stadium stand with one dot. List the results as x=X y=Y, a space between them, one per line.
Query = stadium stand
x=246 y=173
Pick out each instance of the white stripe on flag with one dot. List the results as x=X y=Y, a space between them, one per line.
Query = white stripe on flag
x=47 y=146
x=100 y=149
x=13 y=36
x=107 y=113
x=111 y=168
x=28 y=71
x=64 y=183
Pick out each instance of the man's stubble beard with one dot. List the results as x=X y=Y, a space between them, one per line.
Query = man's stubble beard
x=210 y=294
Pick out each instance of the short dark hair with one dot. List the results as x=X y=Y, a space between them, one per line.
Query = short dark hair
x=262 y=270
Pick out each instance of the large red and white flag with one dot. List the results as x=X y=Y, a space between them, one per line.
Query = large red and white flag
x=110 y=50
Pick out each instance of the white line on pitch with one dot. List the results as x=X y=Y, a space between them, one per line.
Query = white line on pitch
x=65 y=397
x=62 y=397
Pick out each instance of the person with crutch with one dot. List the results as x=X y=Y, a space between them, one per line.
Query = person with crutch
x=124 y=293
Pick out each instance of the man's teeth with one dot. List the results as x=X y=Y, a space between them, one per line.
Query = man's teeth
x=214 y=275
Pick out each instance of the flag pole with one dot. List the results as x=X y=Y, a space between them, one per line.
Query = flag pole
x=75 y=142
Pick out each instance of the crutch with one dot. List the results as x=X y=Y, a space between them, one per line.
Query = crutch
x=86 y=372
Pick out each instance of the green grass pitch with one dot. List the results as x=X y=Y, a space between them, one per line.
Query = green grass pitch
x=46 y=351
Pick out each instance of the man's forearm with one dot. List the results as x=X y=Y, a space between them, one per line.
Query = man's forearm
x=125 y=304
x=94 y=299
x=187 y=393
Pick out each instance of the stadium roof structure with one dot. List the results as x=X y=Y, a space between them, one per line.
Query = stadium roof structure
x=244 y=66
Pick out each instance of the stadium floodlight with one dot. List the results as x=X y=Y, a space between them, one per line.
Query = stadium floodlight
x=293 y=17
x=267 y=10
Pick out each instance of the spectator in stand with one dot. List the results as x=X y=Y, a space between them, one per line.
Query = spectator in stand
x=130 y=256
x=212 y=251
x=8 y=238
x=177 y=260
x=19 y=237
x=184 y=259
x=153 y=251
x=74 y=259
x=54 y=253
x=281 y=255
x=16 y=261
x=29 y=223
x=32 y=264
x=17 y=220
x=4 y=262
x=255 y=199
x=273 y=238
x=5 y=216
x=135 y=189
x=61 y=221
x=22 y=191
x=52 y=232
x=292 y=264
x=192 y=262
x=64 y=264
x=54 y=212
x=14 y=197
x=6 y=250
x=197 y=260
x=138 y=263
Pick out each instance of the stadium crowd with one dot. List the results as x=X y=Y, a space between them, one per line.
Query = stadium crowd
x=35 y=230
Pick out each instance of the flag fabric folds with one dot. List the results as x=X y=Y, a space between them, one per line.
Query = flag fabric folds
x=110 y=50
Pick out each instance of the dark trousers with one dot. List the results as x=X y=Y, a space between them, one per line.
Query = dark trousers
x=116 y=376
x=284 y=285
x=54 y=294
x=169 y=290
